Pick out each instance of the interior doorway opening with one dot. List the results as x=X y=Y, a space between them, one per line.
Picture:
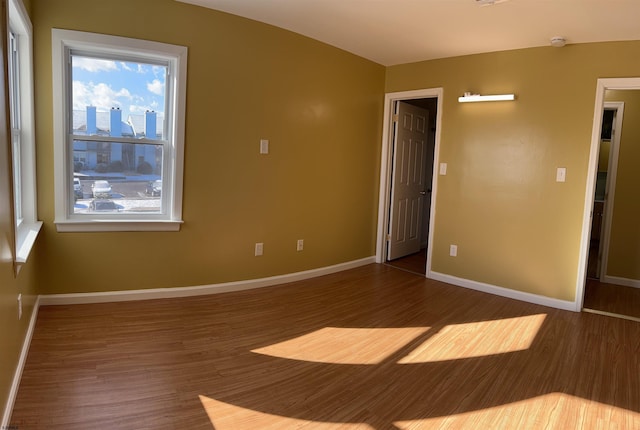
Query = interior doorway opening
x=610 y=280
x=408 y=187
x=612 y=117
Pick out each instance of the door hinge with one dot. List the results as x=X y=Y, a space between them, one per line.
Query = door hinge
x=394 y=117
x=388 y=238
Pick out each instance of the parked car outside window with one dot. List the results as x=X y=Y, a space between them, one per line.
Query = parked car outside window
x=77 y=189
x=101 y=189
x=103 y=205
x=154 y=188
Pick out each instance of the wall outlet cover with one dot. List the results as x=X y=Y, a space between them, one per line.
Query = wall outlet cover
x=443 y=168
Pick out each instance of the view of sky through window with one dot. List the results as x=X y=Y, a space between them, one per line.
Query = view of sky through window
x=131 y=86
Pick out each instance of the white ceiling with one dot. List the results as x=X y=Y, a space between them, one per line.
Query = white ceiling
x=402 y=31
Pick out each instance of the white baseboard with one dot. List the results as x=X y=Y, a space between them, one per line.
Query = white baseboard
x=626 y=282
x=609 y=314
x=506 y=292
x=17 y=376
x=163 y=293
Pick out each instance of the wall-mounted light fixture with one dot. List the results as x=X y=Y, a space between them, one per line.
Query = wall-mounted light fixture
x=468 y=98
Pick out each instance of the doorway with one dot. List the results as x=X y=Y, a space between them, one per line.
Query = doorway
x=608 y=153
x=611 y=286
x=407 y=191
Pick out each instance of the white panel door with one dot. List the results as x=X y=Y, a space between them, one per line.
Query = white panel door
x=408 y=189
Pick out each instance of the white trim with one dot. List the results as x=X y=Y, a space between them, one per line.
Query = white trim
x=386 y=161
x=602 y=85
x=612 y=174
x=505 y=292
x=117 y=225
x=163 y=293
x=26 y=238
x=27 y=230
x=173 y=158
x=625 y=282
x=611 y=314
x=17 y=376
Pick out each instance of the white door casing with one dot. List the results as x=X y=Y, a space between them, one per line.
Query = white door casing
x=409 y=188
x=386 y=161
x=609 y=196
x=601 y=87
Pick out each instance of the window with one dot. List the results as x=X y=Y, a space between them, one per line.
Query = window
x=20 y=74
x=118 y=132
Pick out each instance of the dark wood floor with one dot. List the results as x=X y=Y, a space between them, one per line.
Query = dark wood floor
x=370 y=348
x=416 y=263
x=613 y=299
x=608 y=298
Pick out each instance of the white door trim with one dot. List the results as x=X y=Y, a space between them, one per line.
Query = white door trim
x=612 y=173
x=602 y=85
x=386 y=162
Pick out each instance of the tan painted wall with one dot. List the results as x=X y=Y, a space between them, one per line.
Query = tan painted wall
x=624 y=249
x=12 y=330
x=515 y=227
x=320 y=107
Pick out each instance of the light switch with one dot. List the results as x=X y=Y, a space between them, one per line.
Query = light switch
x=561 y=174
x=443 y=168
x=264 y=146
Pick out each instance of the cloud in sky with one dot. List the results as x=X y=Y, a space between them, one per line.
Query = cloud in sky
x=94 y=64
x=142 y=108
x=99 y=95
x=156 y=87
x=134 y=87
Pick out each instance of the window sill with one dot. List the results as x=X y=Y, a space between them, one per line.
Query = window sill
x=115 y=225
x=25 y=239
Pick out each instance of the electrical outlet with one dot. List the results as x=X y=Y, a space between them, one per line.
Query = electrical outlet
x=19 y=306
x=453 y=250
x=300 y=245
x=443 y=168
x=259 y=249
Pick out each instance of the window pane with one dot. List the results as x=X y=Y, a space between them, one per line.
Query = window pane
x=17 y=175
x=14 y=109
x=116 y=109
x=117 y=178
x=118 y=98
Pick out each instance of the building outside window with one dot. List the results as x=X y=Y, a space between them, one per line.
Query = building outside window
x=118 y=132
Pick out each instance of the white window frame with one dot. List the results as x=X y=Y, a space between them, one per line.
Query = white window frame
x=23 y=133
x=63 y=42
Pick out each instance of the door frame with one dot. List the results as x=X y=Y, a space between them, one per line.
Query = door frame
x=610 y=187
x=386 y=162
x=602 y=85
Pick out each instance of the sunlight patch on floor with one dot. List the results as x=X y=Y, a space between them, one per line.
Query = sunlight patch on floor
x=341 y=345
x=563 y=410
x=225 y=416
x=478 y=339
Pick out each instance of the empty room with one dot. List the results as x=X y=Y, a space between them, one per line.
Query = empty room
x=329 y=214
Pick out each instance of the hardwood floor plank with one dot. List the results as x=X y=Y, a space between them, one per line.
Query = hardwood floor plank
x=369 y=348
x=612 y=299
